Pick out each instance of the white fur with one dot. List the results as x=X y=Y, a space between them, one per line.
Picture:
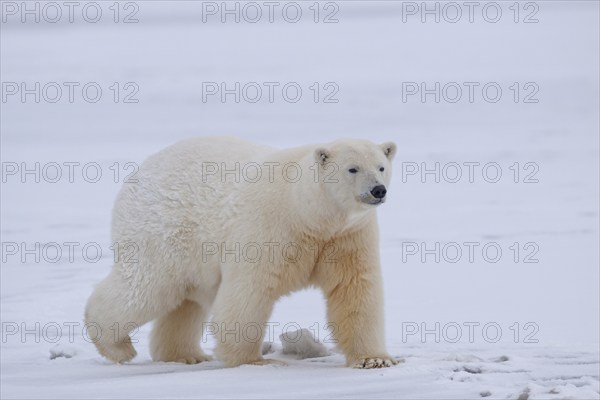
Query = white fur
x=165 y=273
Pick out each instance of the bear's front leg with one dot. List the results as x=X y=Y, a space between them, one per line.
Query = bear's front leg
x=240 y=312
x=354 y=292
x=355 y=309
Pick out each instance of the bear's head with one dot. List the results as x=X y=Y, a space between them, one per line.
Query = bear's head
x=356 y=173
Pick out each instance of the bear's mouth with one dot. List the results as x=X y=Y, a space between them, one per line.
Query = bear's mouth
x=366 y=198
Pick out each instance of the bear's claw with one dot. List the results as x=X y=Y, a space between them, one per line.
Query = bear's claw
x=374 y=362
x=269 y=361
x=194 y=359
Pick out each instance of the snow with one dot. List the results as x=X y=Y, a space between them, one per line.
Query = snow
x=504 y=329
x=303 y=344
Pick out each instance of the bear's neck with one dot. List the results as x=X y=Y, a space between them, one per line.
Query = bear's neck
x=318 y=218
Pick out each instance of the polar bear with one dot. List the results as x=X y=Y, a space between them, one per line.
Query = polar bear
x=225 y=227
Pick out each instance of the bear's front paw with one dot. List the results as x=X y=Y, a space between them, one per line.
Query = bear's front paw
x=374 y=362
x=268 y=361
x=193 y=358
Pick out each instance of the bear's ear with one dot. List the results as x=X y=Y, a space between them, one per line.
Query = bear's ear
x=322 y=155
x=389 y=149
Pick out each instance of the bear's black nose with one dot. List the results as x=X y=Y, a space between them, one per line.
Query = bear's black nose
x=379 y=192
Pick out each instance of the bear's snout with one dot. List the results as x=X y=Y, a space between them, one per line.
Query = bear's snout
x=379 y=192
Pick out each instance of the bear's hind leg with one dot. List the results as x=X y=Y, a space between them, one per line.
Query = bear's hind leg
x=109 y=319
x=176 y=335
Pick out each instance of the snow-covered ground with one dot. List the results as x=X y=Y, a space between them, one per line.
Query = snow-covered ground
x=521 y=324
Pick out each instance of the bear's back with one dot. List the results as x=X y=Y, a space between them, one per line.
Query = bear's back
x=182 y=186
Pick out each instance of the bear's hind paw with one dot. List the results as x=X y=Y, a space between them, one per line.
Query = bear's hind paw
x=117 y=352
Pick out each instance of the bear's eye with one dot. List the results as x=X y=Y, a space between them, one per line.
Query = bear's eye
x=381 y=169
x=353 y=170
